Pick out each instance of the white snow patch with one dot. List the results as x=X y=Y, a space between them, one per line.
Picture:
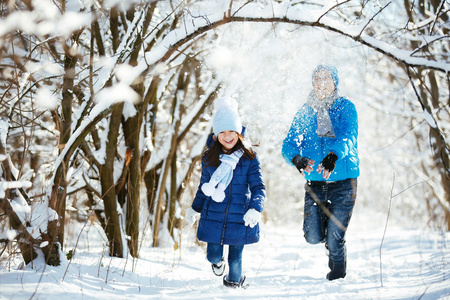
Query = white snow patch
x=45 y=99
x=412 y=264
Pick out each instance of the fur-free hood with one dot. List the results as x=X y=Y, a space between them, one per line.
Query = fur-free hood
x=330 y=69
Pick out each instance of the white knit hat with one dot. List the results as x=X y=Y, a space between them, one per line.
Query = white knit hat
x=226 y=116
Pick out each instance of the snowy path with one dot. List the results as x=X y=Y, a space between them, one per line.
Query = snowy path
x=415 y=265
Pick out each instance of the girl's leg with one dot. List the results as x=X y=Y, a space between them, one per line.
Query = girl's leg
x=235 y=263
x=214 y=253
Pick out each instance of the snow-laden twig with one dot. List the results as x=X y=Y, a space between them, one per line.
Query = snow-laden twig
x=179 y=37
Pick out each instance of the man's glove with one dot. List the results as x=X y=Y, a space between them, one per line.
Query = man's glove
x=302 y=164
x=252 y=217
x=191 y=216
x=329 y=162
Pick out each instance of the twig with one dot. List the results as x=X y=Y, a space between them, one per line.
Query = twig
x=373 y=17
x=109 y=268
x=424 y=292
x=39 y=282
x=237 y=10
x=125 y=265
x=385 y=228
x=260 y=265
x=78 y=239
x=429 y=43
x=101 y=261
x=338 y=4
x=437 y=16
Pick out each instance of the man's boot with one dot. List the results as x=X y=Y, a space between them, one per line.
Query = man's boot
x=338 y=270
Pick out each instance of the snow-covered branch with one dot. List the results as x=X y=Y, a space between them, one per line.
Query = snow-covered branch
x=282 y=14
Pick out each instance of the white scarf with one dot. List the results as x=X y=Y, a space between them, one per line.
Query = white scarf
x=222 y=176
x=321 y=107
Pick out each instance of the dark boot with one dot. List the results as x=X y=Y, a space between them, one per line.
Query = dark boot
x=235 y=285
x=219 y=268
x=338 y=270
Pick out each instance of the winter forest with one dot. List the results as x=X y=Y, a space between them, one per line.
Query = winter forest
x=104 y=113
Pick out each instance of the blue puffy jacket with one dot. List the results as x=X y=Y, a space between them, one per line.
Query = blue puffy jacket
x=223 y=223
x=303 y=140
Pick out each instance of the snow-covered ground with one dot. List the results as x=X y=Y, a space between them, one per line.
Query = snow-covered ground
x=413 y=264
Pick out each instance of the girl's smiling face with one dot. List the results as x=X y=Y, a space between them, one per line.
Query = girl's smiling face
x=228 y=139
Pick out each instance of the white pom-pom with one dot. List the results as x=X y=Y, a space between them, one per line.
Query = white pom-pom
x=208 y=188
x=218 y=195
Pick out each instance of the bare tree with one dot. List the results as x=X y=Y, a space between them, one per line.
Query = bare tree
x=132 y=91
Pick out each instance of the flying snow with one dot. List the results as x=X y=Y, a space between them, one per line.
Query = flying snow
x=45 y=99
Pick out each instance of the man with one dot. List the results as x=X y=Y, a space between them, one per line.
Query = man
x=325 y=130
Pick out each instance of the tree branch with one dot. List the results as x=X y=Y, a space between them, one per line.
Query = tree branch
x=429 y=43
x=373 y=17
x=383 y=48
x=441 y=6
x=333 y=7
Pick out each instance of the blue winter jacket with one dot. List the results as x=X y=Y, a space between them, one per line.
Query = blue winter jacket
x=303 y=140
x=223 y=223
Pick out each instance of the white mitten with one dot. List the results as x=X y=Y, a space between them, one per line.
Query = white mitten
x=191 y=216
x=252 y=217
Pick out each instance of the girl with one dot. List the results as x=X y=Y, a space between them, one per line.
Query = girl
x=230 y=196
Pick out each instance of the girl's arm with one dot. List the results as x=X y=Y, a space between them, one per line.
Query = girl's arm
x=200 y=197
x=257 y=186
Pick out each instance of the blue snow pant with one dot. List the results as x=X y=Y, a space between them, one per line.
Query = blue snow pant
x=327 y=213
x=214 y=254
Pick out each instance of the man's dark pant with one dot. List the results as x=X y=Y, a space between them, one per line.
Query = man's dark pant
x=328 y=209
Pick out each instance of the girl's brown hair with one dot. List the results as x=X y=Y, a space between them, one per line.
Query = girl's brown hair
x=212 y=154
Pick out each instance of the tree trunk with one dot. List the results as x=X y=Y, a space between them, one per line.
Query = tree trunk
x=24 y=239
x=132 y=129
x=151 y=179
x=57 y=201
x=113 y=231
x=171 y=224
x=429 y=100
x=441 y=158
x=132 y=140
x=162 y=183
